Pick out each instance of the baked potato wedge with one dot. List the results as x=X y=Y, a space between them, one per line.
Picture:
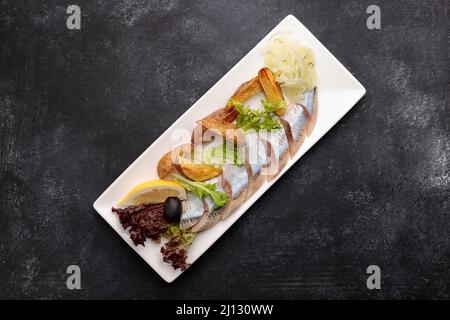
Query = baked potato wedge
x=245 y=91
x=168 y=163
x=225 y=114
x=272 y=90
x=216 y=126
x=197 y=171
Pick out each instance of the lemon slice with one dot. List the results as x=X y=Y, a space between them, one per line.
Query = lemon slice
x=154 y=191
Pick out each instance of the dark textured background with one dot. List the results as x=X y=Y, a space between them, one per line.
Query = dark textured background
x=77 y=107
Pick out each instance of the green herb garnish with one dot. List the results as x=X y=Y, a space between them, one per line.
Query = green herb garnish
x=221 y=154
x=185 y=237
x=252 y=119
x=202 y=190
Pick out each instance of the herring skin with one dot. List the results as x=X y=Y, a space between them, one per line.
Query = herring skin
x=278 y=143
x=236 y=181
x=211 y=215
x=193 y=210
x=256 y=159
x=311 y=105
x=295 y=122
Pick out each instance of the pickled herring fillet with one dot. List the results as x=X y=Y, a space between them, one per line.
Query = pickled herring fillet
x=193 y=209
x=311 y=105
x=236 y=181
x=279 y=150
x=211 y=215
x=295 y=122
x=257 y=158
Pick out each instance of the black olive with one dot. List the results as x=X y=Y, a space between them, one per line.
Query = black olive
x=172 y=209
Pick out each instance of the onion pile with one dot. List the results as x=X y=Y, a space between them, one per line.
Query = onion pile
x=292 y=64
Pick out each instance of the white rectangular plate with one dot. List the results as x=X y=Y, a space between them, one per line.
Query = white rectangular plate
x=338 y=92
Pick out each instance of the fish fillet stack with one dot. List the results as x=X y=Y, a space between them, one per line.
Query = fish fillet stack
x=266 y=154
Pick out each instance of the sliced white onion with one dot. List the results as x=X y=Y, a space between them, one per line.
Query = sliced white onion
x=292 y=64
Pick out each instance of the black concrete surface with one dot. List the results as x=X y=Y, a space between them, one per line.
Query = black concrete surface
x=77 y=107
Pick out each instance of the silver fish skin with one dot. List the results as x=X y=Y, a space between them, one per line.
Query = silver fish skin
x=308 y=101
x=279 y=146
x=193 y=210
x=211 y=216
x=236 y=179
x=256 y=153
x=279 y=142
x=295 y=121
x=256 y=160
x=311 y=105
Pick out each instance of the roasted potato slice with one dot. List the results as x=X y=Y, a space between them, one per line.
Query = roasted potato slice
x=197 y=171
x=245 y=91
x=229 y=115
x=167 y=164
x=272 y=90
x=224 y=114
x=217 y=126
